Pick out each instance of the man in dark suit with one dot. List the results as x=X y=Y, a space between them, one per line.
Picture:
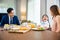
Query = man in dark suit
x=10 y=18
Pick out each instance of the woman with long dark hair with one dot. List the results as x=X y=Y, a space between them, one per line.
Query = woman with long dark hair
x=56 y=18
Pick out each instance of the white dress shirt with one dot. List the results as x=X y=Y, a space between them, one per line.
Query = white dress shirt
x=10 y=19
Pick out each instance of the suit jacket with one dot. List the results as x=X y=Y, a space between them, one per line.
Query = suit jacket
x=5 y=20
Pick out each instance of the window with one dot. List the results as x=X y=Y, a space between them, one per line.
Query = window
x=33 y=13
x=4 y=4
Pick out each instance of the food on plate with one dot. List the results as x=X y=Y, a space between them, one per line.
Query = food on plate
x=40 y=28
x=23 y=28
x=31 y=25
x=6 y=25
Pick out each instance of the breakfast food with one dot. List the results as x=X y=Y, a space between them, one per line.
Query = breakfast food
x=40 y=28
x=6 y=26
x=31 y=25
x=23 y=28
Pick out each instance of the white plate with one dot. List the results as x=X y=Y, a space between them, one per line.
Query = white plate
x=14 y=28
x=36 y=29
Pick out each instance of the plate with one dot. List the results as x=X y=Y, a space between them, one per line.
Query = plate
x=36 y=29
x=15 y=28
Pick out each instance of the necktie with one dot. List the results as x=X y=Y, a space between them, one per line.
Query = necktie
x=11 y=20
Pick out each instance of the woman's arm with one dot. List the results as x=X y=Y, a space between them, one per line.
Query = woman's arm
x=53 y=26
x=58 y=23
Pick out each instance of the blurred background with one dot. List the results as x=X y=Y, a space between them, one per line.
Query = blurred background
x=28 y=9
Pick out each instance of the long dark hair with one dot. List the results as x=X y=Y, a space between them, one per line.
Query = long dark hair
x=54 y=10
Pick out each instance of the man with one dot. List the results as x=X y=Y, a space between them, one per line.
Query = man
x=10 y=18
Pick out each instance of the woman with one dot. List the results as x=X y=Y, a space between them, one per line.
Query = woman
x=56 y=18
x=45 y=22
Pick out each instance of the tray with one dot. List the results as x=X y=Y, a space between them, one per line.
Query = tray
x=18 y=31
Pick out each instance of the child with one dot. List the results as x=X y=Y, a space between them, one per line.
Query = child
x=45 y=22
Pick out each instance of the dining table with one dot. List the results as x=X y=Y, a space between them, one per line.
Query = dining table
x=30 y=35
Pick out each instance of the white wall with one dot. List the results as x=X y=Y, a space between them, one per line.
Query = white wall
x=18 y=4
x=34 y=11
x=42 y=8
